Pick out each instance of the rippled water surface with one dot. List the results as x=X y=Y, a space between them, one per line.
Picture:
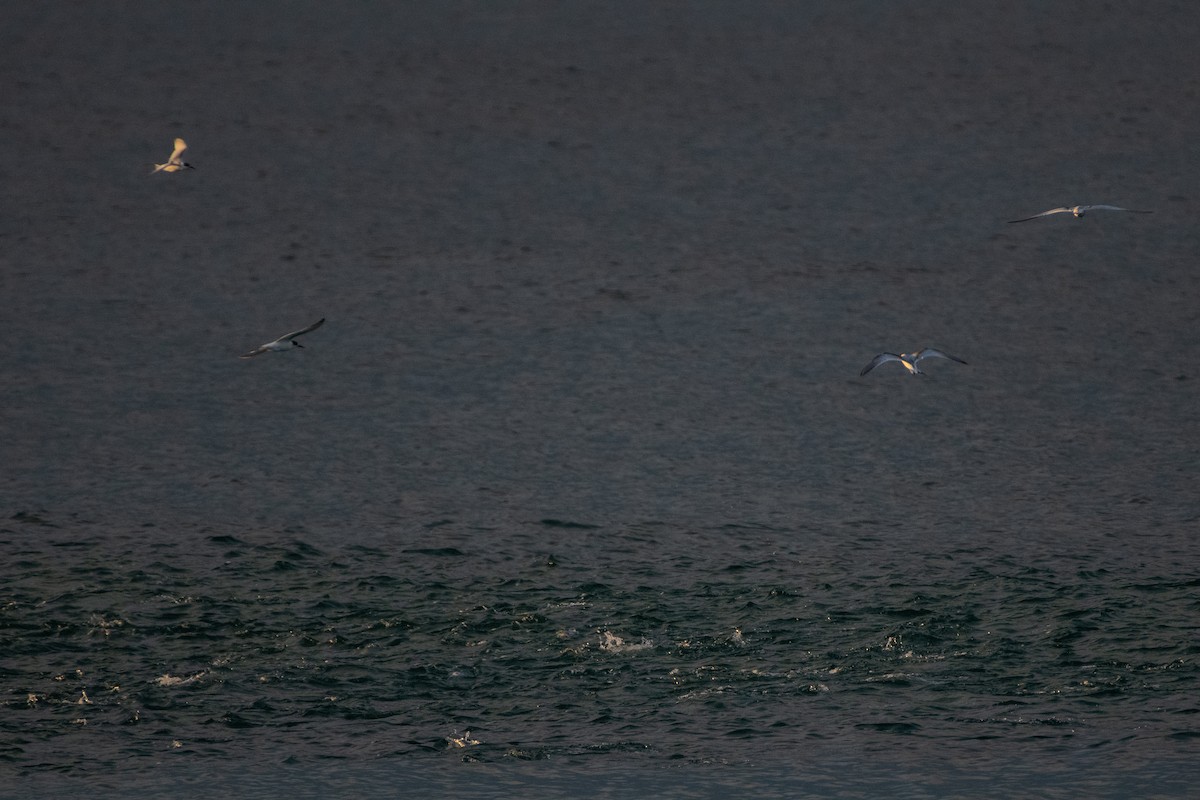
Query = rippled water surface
x=584 y=645
x=578 y=490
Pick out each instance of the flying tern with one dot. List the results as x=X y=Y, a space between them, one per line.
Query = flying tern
x=175 y=163
x=909 y=360
x=1078 y=211
x=285 y=342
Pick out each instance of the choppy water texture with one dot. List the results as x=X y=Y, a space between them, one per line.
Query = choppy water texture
x=578 y=490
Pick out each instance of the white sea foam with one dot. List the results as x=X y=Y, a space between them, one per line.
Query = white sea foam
x=167 y=679
x=611 y=643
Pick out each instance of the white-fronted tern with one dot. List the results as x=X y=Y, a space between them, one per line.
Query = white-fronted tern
x=1079 y=211
x=175 y=163
x=285 y=342
x=909 y=360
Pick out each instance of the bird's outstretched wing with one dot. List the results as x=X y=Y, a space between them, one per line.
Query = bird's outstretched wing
x=882 y=358
x=287 y=337
x=177 y=153
x=1115 y=208
x=1059 y=210
x=930 y=352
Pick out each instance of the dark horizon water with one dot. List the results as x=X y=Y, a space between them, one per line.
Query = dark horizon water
x=581 y=461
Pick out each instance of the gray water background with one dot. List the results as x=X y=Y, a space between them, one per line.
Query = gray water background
x=581 y=461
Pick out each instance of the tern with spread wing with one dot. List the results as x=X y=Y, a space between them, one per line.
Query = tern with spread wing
x=285 y=342
x=175 y=163
x=1079 y=211
x=909 y=360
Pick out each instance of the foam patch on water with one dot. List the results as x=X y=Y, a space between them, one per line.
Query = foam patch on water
x=611 y=643
x=169 y=680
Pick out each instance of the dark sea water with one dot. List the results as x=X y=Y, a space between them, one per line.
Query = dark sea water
x=588 y=656
x=578 y=491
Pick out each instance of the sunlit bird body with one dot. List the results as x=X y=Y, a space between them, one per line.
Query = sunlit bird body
x=175 y=163
x=909 y=360
x=461 y=741
x=1079 y=211
x=285 y=342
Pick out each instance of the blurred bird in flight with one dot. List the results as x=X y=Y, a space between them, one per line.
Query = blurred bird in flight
x=909 y=360
x=1078 y=211
x=285 y=342
x=175 y=163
